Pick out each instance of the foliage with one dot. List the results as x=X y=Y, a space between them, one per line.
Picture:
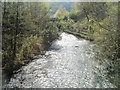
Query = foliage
x=101 y=20
x=31 y=46
x=50 y=34
x=61 y=13
x=23 y=27
x=28 y=30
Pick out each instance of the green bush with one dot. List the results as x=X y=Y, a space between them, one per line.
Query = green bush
x=31 y=46
x=48 y=37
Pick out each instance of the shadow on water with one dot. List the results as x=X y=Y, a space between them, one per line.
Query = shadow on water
x=69 y=63
x=55 y=47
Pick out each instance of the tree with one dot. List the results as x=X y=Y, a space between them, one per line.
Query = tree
x=24 y=26
x=61 y=13
x=102 y=21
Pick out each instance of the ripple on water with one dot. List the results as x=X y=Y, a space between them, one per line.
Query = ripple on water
x=70 y=63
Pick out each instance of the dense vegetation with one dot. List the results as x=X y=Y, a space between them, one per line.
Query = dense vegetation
x=99 y=22
x=27 y=31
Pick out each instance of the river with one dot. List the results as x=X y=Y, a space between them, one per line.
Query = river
x=69 y=63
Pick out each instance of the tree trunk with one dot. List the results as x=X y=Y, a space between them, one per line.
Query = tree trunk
x=15 y=34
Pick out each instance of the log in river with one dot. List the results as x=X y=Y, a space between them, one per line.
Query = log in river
x=69 y=63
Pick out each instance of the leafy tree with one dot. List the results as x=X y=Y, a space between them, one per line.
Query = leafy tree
x=61 y=13
x=24 y=30
x=101 y=20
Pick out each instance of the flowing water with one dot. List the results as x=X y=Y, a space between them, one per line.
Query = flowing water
x=69 y=63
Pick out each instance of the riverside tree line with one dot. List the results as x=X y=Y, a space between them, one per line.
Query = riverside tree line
x=28 y=31
x=99 y=22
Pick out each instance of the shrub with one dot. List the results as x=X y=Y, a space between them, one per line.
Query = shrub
x=31 y=46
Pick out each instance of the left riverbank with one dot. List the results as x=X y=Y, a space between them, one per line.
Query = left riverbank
x=32 y=48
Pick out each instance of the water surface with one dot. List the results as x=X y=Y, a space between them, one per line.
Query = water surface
x=70 y=63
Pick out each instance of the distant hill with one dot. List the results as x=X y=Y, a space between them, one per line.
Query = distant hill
x=54 y=6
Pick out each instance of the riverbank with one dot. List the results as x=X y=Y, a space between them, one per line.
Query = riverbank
x=71 y=63
x=79 y=35
x=32 y=48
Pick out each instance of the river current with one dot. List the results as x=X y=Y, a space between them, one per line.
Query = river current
x=69 y=63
